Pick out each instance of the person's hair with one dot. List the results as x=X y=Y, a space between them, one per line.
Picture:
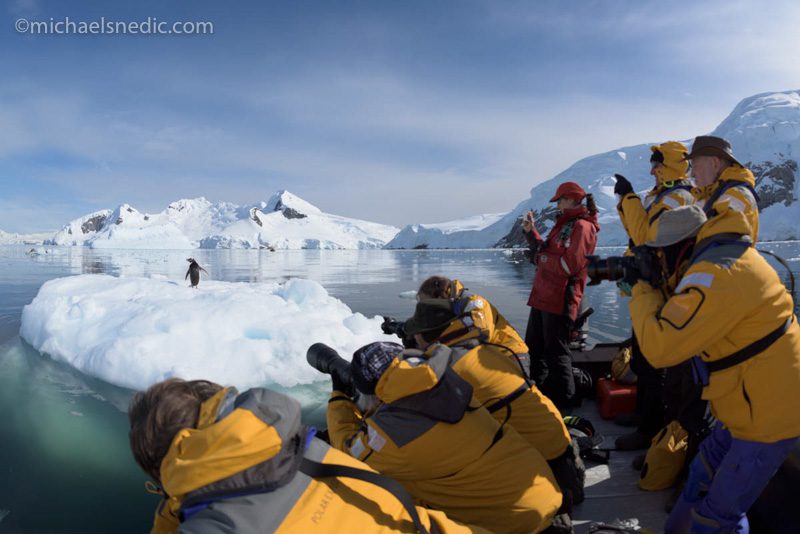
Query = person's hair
x=158 y=414
x=591 y=206
x=435 y=287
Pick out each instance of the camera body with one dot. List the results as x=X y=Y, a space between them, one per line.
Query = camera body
x=326 y=360
x=391 y=326
x=643 y=265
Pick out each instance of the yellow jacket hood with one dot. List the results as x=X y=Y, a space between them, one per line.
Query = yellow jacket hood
x=424 y=382
x=736 y=210
x=234 y=433
x=675 y=165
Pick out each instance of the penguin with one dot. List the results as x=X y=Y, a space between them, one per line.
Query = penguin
x=194 y=272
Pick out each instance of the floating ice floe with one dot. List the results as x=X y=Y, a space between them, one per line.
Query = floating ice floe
x=134 y=332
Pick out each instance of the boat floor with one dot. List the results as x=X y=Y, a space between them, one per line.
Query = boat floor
x=612 y=491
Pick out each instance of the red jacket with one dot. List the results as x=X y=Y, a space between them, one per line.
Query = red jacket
x=561 y=262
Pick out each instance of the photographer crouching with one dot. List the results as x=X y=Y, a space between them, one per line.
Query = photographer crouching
x=731 y=316
x=414 y=419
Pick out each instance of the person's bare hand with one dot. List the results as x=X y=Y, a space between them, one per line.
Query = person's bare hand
x=527 y=221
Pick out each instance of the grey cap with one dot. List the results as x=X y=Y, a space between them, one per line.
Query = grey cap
x=678 y=224
x=710 y=145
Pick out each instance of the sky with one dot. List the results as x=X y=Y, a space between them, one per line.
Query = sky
x=396 y=112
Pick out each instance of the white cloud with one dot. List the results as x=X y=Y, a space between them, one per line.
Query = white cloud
x=491 y=150
x=376 y=145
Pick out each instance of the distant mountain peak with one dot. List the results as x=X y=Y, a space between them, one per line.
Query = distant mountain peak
x=189 y=204
x=285 y=221
x=283 y=200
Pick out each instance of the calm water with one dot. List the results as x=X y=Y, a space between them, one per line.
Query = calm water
x=65 y=462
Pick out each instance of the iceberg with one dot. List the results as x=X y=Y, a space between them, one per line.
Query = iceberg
x=134 y=331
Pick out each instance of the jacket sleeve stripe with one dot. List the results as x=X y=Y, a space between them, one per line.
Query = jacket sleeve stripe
x=695 y=279
x=564 y=265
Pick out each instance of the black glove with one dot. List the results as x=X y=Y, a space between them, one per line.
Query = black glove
x=623 y=186
x=645 y=266
x=631 y=277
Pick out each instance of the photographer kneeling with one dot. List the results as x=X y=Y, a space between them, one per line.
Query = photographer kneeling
x=414 y=420
x=732 y=317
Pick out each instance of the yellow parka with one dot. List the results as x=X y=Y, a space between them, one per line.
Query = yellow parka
x=729 y=298
x=256 y=439
x=736 y=199
x=495 y=377
x=640 y=218
x=449 y=453
x=477 y=312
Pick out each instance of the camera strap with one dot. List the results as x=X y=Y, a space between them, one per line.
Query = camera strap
x=508 y=399
x=516 y=358
x=751 y=350
x=708 y=207
x=320 y=470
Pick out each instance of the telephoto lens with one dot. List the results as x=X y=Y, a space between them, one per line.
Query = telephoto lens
x=611 y=268
x=326 y=360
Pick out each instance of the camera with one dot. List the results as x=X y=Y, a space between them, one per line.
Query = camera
x=643 y=265
x=611 y=268
x=391 y=326
x=326 y=360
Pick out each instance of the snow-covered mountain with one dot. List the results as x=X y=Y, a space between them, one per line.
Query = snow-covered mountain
x=764 y=131
x=7 y=238
x=285 y=221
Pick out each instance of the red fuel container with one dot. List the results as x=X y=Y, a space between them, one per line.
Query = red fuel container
x=614 y=398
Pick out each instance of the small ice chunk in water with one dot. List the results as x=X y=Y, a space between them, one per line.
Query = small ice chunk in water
x=408 y=295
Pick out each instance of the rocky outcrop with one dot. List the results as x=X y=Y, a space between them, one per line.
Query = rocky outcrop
x=291 y=213
x=542 y=219
x=774 y=182
x=254 y=216
x=288 y=212
x=93 y=224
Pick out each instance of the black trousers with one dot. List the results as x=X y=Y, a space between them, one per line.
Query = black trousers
x=649 y=392
x=547 y=337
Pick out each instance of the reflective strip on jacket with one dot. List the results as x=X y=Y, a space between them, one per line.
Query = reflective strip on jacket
x=446 y=459
x=733 y=200
x=640 y=218
x=241 y=444
x=729 y=298
x=561 y=265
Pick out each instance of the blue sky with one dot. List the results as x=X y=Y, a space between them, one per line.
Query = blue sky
x=392 y=111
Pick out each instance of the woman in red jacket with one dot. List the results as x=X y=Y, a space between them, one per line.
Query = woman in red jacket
x=558 y=288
